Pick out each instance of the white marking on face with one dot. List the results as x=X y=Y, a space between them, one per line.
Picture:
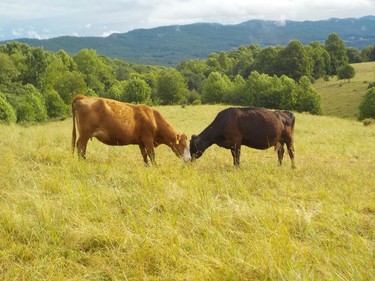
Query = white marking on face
x=186 y=156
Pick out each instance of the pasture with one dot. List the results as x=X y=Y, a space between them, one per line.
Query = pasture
x=112 y=218
x=342 y=98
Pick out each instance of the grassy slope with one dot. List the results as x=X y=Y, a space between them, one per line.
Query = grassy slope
x=111 y=218
x=342 y=98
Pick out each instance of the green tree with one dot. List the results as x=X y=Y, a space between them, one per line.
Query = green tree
x=345 y=72
x=293 y=61
x=265 y=61
x=171 y=87
x=243 y=59
x=7 y=114
x=236 y=95
x=215 y=87
x=70 y=84
x=98 y=75
x=54 y=72
x=37 y=61
x=213 y=63
x=28 y=103
x=337 y=51
x=368 y=54
x=354 y=55
x=321 y=60
x=194 y=72
x=137 y=91
x=308 y=100
x=8 y=70
x=367 y=106
x=56 y=108
x=117 y=91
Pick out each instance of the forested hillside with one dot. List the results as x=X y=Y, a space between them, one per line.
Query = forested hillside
x=169 y=45
x=37 y=85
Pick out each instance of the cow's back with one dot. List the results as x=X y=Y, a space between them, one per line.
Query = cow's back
x=112 y=122
x=259 y=128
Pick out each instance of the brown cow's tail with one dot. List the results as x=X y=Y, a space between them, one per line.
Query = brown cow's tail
x=74 y=134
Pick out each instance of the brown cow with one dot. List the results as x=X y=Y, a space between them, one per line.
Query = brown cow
x=254 y=127
x=118 y=123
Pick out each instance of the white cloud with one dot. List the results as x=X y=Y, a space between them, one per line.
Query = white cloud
x=88 y=17
x=34 y=34
x=17 y=32
x=107 y=33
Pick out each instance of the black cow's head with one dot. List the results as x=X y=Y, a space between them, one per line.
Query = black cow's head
x=196 y=149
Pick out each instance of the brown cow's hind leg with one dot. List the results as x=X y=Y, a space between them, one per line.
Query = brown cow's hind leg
x=81 y=147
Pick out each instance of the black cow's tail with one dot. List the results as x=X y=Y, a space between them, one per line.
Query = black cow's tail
x=292 y=121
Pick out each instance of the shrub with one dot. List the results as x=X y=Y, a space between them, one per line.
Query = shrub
x=7 y=114
x=345 y=72
x=56 y=107
x=28 y=104
x=367 y=106
x=308 y=100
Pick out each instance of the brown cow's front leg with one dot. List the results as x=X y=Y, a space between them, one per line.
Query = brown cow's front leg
x=148 y=148
x=236 y=153
x=144 y=153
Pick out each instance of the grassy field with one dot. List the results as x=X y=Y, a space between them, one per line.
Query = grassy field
x=342 y=98
x=111 y=218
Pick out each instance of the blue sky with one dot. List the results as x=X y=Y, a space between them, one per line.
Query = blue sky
x=44 y=19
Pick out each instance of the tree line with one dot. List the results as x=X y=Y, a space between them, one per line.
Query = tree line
x=37 y=85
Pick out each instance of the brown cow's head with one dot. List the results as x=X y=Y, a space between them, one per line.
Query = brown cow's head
x=181 y=148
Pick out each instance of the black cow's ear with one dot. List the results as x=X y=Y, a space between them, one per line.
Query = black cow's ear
x=194 y=137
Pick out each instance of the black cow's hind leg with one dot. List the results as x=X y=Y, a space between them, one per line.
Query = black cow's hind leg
x=280 y=152
x=290 y=147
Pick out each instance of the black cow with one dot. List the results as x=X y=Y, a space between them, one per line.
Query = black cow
x=258 y=128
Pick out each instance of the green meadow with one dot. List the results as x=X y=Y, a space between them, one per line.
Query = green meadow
x=342 y=97
x=112 y=218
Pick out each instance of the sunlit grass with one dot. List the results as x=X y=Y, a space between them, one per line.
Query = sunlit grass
x=111 y=218
x=342 y=97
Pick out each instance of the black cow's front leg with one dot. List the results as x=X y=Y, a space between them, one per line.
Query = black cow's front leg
x=236 y=152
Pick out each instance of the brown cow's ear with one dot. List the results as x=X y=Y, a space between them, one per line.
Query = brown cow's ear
x=178 y=139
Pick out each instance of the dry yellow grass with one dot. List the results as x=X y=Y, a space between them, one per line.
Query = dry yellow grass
x=111 y=218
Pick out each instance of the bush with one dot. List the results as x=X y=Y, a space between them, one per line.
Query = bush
x=137 y=91
x=345 y=72
x=308 y=100
x=56 y=107
x=367 y=106
x=28 y=104
x=7 y=114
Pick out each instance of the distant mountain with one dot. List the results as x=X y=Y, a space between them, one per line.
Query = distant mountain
x=169 y=45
